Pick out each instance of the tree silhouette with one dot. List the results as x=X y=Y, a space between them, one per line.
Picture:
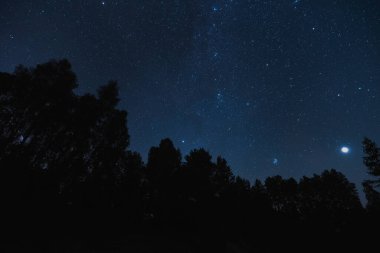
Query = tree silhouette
x=373 y=198
x=37 y=104
x=70 y=144
x=196 y=174
x=163 y=162
x=67 y=152
x=283 y=193
x=163 y=165
x=328 y=197
x=372 y=160
x=223 y=175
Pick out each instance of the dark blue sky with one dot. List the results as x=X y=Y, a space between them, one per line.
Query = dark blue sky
x=275 y=87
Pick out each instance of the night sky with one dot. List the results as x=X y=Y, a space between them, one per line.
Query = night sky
x=275 y=87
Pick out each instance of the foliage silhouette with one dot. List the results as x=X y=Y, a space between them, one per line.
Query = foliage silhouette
x=372 y=160
x=66 y=168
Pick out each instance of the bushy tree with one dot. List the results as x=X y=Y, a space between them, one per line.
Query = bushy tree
x=71 y=145
x=329 y=200
x=283 y=193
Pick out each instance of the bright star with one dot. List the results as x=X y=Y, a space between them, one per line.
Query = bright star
x=275 y=161
x=345 y=150
x=103 y=3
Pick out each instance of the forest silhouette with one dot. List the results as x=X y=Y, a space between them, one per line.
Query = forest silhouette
x=69 y=183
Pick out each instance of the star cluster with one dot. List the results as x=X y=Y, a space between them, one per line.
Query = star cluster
x=276 y=87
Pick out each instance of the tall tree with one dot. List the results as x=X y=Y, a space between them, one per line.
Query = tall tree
x=66 y=142
x=163 y=165
x=223 y=176
x=198 y=170
x=163 y=162
x=371 y=160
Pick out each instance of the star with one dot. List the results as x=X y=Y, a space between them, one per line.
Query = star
x=219 y=96
x=345 y=150
x=295 y=3
x=218 y=72
x=215 y=8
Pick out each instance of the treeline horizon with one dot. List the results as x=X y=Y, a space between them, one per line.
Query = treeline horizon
x=68 y=153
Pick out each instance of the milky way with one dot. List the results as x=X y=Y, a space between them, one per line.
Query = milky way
x=275 y=87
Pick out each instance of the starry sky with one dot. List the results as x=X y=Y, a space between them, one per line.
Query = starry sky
x=275 y=86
